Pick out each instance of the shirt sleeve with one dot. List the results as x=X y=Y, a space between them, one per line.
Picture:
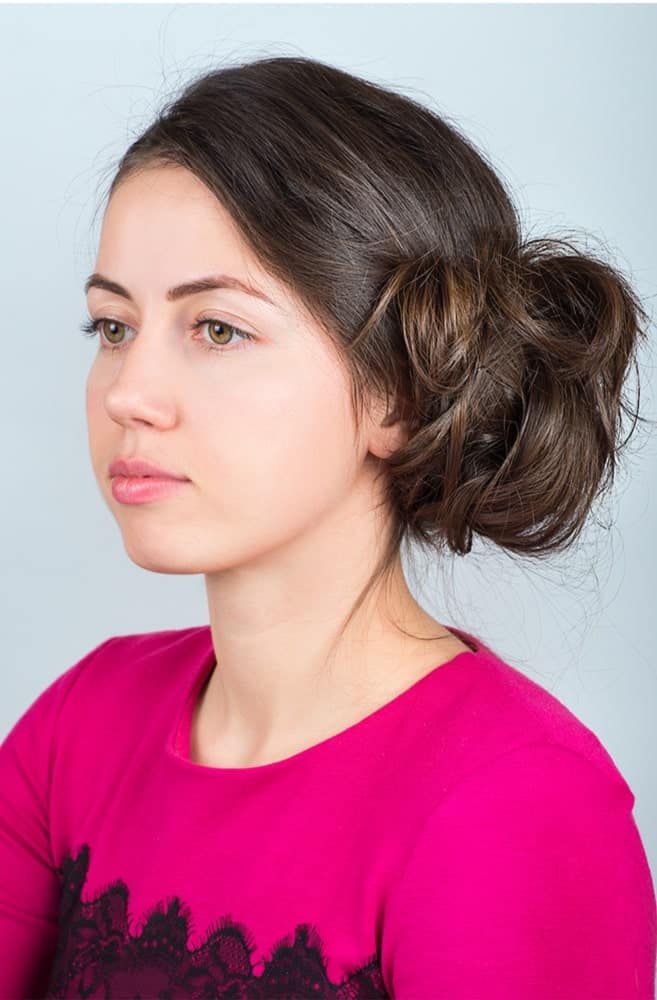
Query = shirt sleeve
x=528 y=880
x=29 y=884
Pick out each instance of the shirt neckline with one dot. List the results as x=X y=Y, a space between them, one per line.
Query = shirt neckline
x=178 y=743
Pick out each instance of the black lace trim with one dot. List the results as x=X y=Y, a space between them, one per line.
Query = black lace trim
x=97 y=957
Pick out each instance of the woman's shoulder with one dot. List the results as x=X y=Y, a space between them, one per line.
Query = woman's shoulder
x=500 y=709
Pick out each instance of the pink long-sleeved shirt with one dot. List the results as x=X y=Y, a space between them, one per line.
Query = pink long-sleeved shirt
x=469 y=840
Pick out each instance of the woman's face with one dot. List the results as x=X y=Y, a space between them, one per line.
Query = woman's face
x=261 y=427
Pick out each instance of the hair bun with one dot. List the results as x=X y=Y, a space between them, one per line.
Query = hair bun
x=517 y=362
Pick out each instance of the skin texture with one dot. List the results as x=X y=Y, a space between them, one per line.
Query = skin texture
x=279 y=514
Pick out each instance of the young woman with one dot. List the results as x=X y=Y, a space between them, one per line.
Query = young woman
x=320 y=335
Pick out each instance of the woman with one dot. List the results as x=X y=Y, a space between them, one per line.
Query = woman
x=321 y=335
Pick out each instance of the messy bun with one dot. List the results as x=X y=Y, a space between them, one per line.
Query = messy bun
x=517 y=362
x=505 y=358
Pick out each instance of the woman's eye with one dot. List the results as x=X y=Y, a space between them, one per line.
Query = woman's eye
x=94 y=326
x=220 y=329
x=221 y=332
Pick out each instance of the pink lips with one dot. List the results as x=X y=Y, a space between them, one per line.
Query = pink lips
x=137 y=481
x=140 y=467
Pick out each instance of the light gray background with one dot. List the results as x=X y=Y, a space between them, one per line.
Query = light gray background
x=563 y=97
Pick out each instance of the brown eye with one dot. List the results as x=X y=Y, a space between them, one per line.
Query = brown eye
x=220 y=332
x=109 y=329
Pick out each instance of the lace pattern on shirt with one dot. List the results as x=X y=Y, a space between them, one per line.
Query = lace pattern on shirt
x=96 y=956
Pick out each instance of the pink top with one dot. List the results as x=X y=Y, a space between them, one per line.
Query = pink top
x=469 y=839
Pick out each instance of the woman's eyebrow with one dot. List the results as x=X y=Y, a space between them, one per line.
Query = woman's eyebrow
x=96 y=280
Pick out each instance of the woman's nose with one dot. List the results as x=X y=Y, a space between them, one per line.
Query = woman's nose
x=143 y=386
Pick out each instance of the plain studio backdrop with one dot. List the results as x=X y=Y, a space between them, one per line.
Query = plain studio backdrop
x=562 y=97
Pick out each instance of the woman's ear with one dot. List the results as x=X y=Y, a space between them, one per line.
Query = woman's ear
x=388 y=431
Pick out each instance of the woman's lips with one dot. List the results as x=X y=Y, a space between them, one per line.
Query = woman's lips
x=141 y=467
x=143 y=489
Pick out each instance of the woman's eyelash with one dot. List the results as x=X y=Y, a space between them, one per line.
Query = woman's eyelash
x=90 y=328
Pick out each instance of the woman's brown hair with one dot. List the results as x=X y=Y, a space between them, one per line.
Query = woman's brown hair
x=505 y=357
